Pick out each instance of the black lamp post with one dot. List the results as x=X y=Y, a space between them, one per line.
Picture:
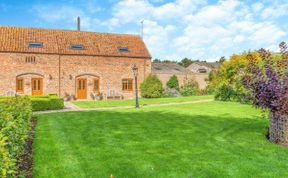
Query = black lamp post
x=135 y=72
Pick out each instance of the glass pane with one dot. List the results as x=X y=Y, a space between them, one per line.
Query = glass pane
x=34 y=84
x=96 y=85
x=39 y=85
x=83 y=84
x=79 y=84
x=130 y=84
x=123 y=84
x=18 y=84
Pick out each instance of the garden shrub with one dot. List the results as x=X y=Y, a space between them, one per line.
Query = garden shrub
x=229 y=92
x=229 y=78
x=190 y=88
x=173 y=82
x=209 y=91
x=151 y=87
x=225 y=92
x=43 y=103
x=15 y=124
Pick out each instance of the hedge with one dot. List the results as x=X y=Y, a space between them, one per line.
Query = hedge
x=42 y=103
x=48 y=103
x=15 y=124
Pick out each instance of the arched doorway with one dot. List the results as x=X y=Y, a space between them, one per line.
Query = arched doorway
x=29 y=84
x=87 y=85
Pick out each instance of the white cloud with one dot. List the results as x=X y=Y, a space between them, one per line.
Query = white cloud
x=225 y=28
x=266 y=33
x=258 y=6
x=127 y=11
x=275 y=11
x=157 y=36
x=187 y=28
x=62 y=13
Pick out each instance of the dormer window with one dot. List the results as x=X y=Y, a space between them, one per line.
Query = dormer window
x=35 y=45
x=77 y=46
x=123 y=49
x=202 y=70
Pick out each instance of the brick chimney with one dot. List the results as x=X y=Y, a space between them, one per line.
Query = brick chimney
x=78 y=23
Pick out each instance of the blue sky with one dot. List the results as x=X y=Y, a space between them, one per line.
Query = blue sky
x=173 y=29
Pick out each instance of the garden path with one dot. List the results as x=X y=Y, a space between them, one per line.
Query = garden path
x=70 y=107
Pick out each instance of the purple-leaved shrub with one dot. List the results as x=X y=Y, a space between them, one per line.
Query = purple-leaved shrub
x=268 y=84
x=269 y=81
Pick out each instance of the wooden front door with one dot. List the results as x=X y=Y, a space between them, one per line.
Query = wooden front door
x=37 y=86
x=82 y=88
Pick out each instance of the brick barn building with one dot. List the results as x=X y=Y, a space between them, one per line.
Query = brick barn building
x=64 y=62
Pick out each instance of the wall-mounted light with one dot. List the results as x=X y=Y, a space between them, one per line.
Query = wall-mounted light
x=50 y=77
x=70 y=77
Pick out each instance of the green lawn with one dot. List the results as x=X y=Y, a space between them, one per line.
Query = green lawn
x=142 y=101
x=214 y=139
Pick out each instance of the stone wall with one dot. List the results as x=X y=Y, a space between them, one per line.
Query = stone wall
x=198 y=77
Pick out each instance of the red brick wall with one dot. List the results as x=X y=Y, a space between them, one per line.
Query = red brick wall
x=109 y=70
x=13 y=65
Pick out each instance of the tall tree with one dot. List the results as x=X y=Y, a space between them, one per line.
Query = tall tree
x=185 y=62
x=222 y=59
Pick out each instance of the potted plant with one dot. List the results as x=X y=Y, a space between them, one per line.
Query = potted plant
x=268 y=83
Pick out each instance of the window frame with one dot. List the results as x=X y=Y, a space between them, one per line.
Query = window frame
x=77 y=47
x=123 y=49
x=126 y=88
x=94 y=86
x=35 y=44
x=17 y=85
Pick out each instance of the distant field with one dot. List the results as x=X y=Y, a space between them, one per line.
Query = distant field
x=142 y=101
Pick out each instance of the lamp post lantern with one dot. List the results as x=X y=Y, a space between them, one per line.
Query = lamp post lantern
x=135 y=72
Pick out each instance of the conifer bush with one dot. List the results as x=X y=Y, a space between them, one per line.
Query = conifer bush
x=173 y=82
x=190 y=88
x=151 y=87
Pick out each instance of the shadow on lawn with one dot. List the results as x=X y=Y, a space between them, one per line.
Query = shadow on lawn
x=130 y=142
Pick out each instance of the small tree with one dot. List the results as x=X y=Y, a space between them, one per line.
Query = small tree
x=151 y=87
x=190 y=88
x=268 y=84
x=225 y=92
x=173 y=82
